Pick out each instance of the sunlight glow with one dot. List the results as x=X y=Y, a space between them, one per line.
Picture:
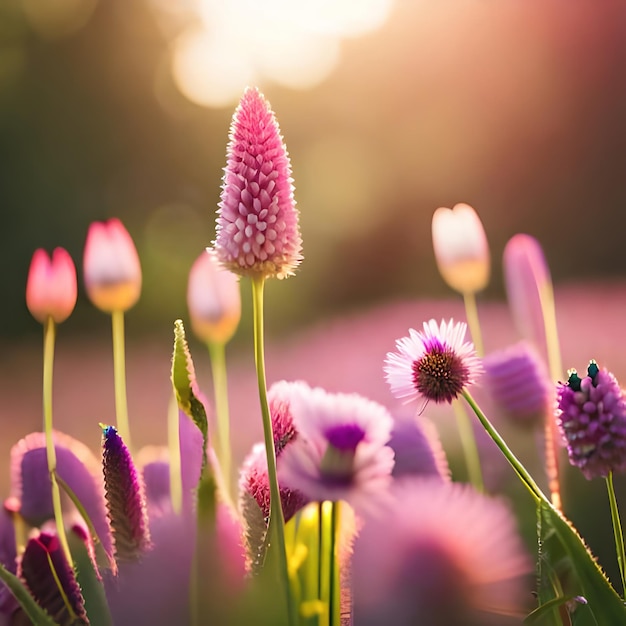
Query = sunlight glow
x=295 y=43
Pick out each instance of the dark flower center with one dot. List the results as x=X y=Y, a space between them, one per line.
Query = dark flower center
x=440 y=375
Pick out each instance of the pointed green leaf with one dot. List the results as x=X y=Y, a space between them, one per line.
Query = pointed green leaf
x=91 y=586
x=565 y=559
x=184 y=382
x=36 y=614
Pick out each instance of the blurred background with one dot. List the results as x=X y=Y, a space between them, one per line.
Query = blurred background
x=389 y=108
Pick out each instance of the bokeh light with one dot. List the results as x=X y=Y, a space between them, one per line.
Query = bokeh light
x=293 y=43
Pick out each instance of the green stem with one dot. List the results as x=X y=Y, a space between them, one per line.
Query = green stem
x=517 y=466
x=217 y=352
x=49 y=334
x=468 y=443
x=276 y=524
x=471 y=314
x=335 y=583
x=119 y=370
x=617 y=530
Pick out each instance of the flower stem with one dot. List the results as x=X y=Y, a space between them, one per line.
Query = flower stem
x=119 y=370
x=217 y=352
x=470 y=449
x=49 y=334
x=617 y=530
x=276 y=524
x=471 y=314
x=173 y=441
x=335 y=583
x=546 y=299
x=517 y=466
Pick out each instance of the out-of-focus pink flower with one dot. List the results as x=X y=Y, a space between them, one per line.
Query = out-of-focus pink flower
x=213 y=299
x=436 y=364
x=340 y=452
x=519 y=384
x=443 y=554
x=461 y=248
x=111 y=267
x=527 y=278
x=51 y=288
x=257 y=223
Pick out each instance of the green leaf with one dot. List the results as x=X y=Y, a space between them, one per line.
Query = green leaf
x=184 y=382
x=36 y=614
x=567 y=568
x=91 y=586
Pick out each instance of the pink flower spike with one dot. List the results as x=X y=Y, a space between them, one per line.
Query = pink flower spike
x=527 y=277
x=257 y=231
x=111 y=267
x=213 y=299
x=51 y=288
x=461 y=248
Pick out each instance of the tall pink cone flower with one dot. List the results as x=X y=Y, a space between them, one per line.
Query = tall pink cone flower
x=51 y=288
x=257 y=230
x=527 y=277
x=213 y=299
x=461 y=248
x=111 y=267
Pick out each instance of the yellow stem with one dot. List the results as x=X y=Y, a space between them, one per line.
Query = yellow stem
x=48 y=367
x=119 y=370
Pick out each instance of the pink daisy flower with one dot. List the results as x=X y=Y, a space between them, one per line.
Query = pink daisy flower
x=436 y=364
x=340 y=452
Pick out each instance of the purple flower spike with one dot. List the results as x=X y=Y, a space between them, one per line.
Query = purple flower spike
x=591 y=415
x=76 y=465
x=257 y=223
x=518 y=383
x=41 y=551
x=8 y=602
x=124 y=497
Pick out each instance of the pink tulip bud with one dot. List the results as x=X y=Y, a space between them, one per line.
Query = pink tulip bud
x=51 y=287
x=461 y=248
x=111 y=267
x=257 y=223
x=527 y=277
x=213 y=299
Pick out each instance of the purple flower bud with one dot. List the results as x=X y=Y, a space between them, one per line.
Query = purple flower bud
x=124 y=497
x=42 y=551
x=257 y=223
x=591 y=415
x=519 y=384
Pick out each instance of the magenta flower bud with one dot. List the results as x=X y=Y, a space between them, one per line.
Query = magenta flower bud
x=591 y=415
x=51 y=288
x=111 y=267
x=43 y=552
x=527 y=279
x=461 y=248
x=213 y=299
x=519 y=384
x=124 y=497
x=257 y=230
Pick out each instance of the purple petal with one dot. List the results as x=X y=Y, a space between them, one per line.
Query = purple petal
x=76 y=465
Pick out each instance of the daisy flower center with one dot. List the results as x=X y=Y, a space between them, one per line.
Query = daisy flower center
x=440 y=374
